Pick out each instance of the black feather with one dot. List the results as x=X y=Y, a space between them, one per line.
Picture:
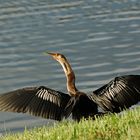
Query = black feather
x=38 y=101
x=120 y=93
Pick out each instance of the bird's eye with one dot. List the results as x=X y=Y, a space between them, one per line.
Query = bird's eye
x=60 y=56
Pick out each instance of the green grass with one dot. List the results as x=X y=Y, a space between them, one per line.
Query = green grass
x=111 y=127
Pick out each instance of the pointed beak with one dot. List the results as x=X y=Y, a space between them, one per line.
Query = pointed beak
x=51 y=54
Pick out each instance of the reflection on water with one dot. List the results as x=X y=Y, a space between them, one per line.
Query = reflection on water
x=100 y=38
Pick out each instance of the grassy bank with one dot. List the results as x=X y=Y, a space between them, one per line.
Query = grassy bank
x=112 y=127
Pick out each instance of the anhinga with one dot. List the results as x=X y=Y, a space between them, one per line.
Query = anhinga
x=120 y=93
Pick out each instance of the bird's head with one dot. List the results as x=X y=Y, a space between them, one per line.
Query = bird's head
x=62 y=60
x=57 y=56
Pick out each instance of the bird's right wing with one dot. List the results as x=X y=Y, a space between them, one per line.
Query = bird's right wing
x=37 y=101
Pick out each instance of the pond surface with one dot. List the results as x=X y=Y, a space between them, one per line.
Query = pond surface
x=100 y=38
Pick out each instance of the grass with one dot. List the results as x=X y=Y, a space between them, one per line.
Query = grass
x=111 y=127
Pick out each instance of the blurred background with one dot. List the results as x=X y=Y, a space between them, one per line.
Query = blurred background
x=100 y=38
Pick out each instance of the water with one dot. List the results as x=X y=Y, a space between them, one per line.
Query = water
x=100 y=38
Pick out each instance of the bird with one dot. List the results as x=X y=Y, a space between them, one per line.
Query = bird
x=119 y=94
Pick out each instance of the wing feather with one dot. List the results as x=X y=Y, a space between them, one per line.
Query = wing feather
x=37 y=101
x=120 y=93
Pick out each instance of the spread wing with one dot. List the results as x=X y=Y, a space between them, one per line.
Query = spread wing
x=37 y=101
x=120 y=93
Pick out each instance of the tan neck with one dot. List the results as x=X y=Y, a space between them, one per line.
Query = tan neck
x=70 y=77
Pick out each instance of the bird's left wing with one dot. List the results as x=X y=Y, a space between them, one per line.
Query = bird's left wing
x=37 y=101
x=120 y=93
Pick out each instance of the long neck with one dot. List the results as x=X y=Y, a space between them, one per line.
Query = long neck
x=70 y=77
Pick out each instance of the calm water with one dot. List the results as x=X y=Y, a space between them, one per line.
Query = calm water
x=100 y=38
